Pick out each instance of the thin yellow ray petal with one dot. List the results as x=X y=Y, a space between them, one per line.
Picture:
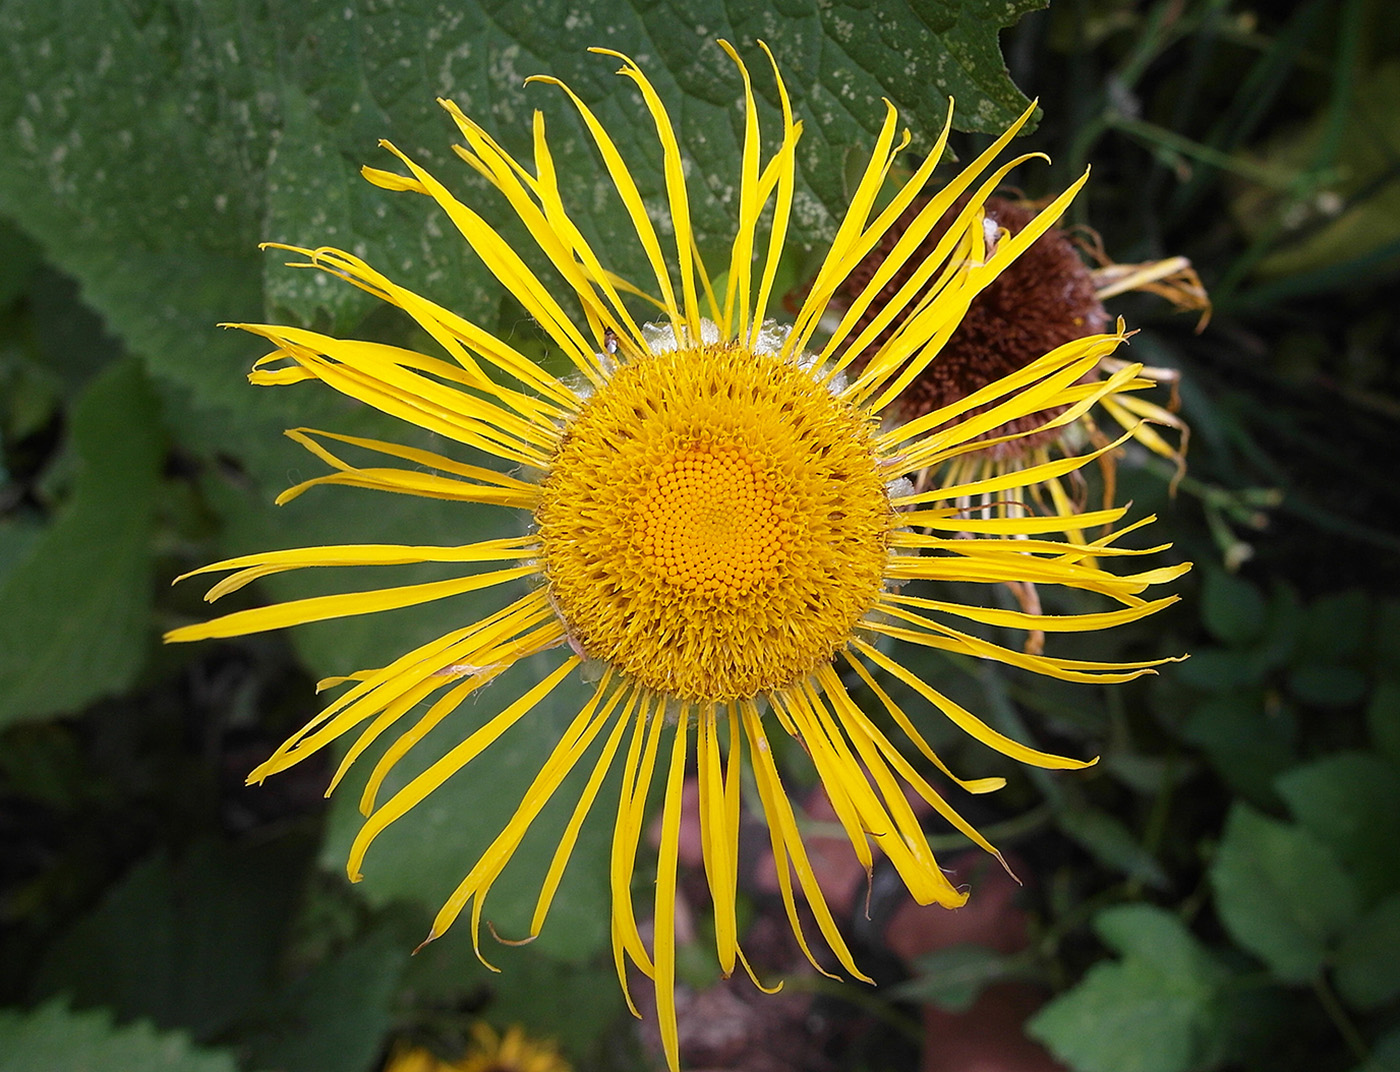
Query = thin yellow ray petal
x=907 y=242
x=922 y=224
x=677 y=199
x=333 y=720
x=906 y=725
x=730 y=818
x=753 y=976
x=927 y=303
x=1077 y=400
x=552 y=228
x=585 y=803
x=707 y=286
x=508 y=267
x=456 y=758
x=620 y=945
x=636 y=783
x=970 y=435
x=1049 y=623
x=1012 y=386
x=402 y=400
x=992 y=545
x=395 y=710
x=966 y=721
x=377 y=688
x=901 y=839
x=252 y=567
x=937 y=313
x=466 y=373
x=1064 y=669
x=714 y=839
x=926 y=324
x=781 y=174
x=411 y=482
x=625 y=287
x=342 y=605
x=832 y=775
x=999 y=569
x=562 y=758
x=848 y=235
x=452 y=332
x=949 y=520
x=1134 y=413
x=1007 y=251
x=788 y=848
x=1150 y=411
x=399 y=370
x=935 y=634
x=494 y=662
x=933 y=886
x=856 y=721
x=425 y=458
x=781 y=865
x=664 y=942
x=631 y=200
x=741 y=253
x=481 y=485
x=1019 y=478
x=401 y=745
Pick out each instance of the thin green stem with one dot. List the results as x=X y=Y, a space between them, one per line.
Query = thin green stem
x=1340 y=1020
x=1285 y=181
x=863 y=999
x=1008 y=830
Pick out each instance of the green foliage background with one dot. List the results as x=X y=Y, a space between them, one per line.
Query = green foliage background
x=1223 y=891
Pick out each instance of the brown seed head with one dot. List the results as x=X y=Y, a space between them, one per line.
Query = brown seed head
x=1045 y=299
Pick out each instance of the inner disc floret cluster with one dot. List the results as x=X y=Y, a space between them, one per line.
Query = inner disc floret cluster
x=715 y=522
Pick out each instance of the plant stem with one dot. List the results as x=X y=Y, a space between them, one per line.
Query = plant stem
x=1340 y=1020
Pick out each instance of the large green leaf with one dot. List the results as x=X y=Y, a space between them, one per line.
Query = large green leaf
x=1151 y=1011
x=334 y=1018
x=53 y=1038
x=1368 y=959
x=153 y=145
x=577 y=1004
x=1383 y=719
x=189 y=943
x=75 y=610
x=1280 y=893
x=1351 y=801
x=1233 y=609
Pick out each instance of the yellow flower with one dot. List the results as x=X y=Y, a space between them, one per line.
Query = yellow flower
x=512 y=1052
x=719 y=526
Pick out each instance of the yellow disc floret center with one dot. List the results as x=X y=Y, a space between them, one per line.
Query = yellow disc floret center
x=712 y=521
x=715 y=522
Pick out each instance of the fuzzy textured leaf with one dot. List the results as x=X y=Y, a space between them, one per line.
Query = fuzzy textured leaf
x=334 y=1018
x=233 y=125
x=52 y=1038
x=187 y=943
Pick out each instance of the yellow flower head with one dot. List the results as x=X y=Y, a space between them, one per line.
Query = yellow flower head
x=512 y=1052
x=719 y=520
